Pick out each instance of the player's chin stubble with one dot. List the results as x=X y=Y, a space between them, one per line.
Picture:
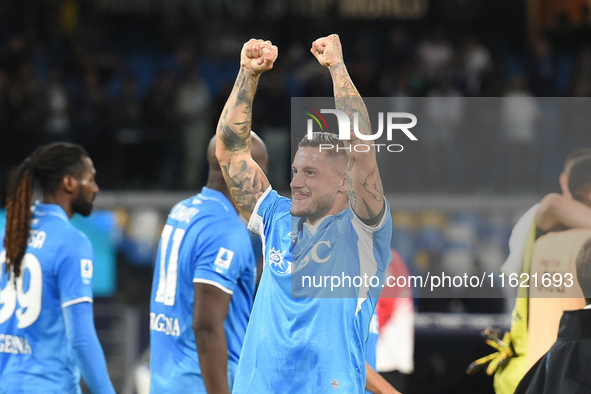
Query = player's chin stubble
x=82 y=206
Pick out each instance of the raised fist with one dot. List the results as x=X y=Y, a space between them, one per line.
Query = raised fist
x=328 y=50
x=258 y=56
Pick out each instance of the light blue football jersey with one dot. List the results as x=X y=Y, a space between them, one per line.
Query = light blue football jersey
x=36 y=355
x=203 y=241
x=311 y=345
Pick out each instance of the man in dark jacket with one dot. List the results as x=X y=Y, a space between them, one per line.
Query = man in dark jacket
x=566 y=368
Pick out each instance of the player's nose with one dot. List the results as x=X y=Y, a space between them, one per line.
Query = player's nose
x=297 y=181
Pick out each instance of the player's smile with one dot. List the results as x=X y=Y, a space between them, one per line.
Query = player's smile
x=300 y=200
x=299 y=195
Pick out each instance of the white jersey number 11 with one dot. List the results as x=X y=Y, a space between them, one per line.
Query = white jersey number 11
x=167 y=279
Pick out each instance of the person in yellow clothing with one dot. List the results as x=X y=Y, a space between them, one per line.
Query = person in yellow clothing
x=553 y=286
x=555 y=257
x=509 y=364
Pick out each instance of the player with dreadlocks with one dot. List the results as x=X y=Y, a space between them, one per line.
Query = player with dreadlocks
x=47 y=333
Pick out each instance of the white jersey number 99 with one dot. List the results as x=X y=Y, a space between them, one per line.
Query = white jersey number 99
x=29 y=300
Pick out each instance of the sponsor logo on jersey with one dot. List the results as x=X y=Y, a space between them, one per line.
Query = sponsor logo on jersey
x=86 y=270
x=14 y=345
x=164 y=324
x=223 y=260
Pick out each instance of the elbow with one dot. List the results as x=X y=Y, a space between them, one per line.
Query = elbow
x=81 y=346
x=550 y=204
x=82 y=339
x=221 y=154
x=77 y=346
x=199 y=327
x=208 y=338
x=206 y=331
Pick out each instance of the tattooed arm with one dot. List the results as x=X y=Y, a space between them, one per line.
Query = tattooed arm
x=245 y=179
x=363 y=177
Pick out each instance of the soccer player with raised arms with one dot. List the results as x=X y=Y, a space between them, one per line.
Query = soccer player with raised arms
x=203 y=290
x=47 y=334
x=306 y=345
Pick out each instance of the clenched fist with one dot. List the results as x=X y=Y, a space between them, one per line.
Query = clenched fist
x=328 y=50
x=258 y=56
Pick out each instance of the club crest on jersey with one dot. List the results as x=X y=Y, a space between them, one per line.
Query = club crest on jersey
x=276 y=261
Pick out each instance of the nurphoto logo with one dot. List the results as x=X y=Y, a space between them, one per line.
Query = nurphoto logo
x=344 y=124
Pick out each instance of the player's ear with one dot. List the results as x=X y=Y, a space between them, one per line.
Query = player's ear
x=343 y=182
x=69 y=183
x=563 y=180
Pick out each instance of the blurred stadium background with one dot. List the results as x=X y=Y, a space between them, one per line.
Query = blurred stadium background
x=140 y=84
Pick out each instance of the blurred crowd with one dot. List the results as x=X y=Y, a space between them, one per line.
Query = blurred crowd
x=144 y=104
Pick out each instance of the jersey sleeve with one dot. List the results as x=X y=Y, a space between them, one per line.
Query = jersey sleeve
x=267 y=206
x=374 y=242
x=220 y=254
x=74 y=270
x=384 y=225
x=87 y=348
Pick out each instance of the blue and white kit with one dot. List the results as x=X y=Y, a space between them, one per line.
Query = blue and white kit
x=203 y=241
x=47 y=333
x=314 y=344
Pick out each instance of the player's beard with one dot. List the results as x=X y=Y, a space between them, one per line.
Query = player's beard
x=316 y=208
x=82 y=205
